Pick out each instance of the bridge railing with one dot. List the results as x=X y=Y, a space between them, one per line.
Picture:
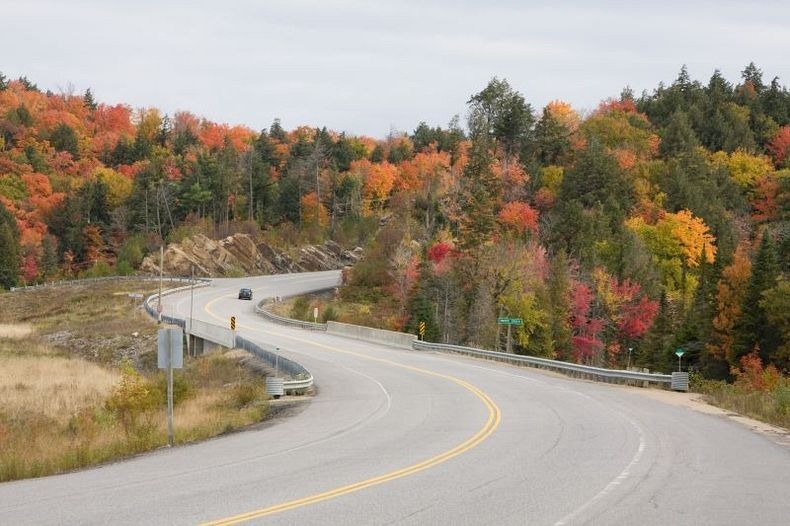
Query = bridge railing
x=298 y=379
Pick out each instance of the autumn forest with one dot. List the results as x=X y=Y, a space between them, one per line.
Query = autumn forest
x=657 y=221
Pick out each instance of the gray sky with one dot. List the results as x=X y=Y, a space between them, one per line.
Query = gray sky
x=366 y=67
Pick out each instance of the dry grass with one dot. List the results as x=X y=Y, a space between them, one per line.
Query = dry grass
x=771 y=406
x=382 y=315
x=54 y=387
x=15 y=331
x=60 y=369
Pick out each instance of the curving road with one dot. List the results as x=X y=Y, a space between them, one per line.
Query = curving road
x=396 y=436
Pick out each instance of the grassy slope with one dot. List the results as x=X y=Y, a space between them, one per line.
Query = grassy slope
x=55 y=382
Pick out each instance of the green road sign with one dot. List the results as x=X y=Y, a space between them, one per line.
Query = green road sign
x=510 y=321
x=680 y=352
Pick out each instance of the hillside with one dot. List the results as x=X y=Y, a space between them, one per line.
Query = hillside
x=653 y=223
x=240 y=254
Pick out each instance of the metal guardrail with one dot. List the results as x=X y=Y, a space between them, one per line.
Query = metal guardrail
x=680 y=381
x=151 y=310
x=69 y=282
x=597 y=373
x=308 y=325
x=300 y=378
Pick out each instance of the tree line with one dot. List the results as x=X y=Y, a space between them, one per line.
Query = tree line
x=653 y=223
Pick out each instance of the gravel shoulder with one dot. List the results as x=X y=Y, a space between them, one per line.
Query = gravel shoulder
x=697 y=402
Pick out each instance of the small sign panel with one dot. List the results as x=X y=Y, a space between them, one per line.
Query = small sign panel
x=170 y=344
x=680 y=352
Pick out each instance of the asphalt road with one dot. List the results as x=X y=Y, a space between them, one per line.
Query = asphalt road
x=406 y=437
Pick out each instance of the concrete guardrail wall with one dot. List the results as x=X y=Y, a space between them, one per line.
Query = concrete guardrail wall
x=396 y=339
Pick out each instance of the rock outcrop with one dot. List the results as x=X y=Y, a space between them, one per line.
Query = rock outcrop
x=239 y=255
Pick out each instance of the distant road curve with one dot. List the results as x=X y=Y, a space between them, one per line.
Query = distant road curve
x=408 y=437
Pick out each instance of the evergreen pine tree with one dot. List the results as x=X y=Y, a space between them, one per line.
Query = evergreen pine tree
x=558 y=295
x=678 y=137
x=9 y=249
x=753 y=328
x=89 y=101
x=422 y=309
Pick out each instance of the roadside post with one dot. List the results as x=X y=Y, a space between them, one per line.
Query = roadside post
x=509 y=322
x=679 y=351
x=161 y=273
x=628 y=367
x=233 y=329
x=422 y=330
x=191 y=303
x=170 y=355
x=315 y=314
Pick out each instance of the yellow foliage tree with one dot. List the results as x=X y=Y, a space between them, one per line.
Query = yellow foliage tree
x=118 y=186
x=743 y=167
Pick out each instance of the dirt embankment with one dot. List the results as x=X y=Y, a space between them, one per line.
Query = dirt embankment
x=240 y=254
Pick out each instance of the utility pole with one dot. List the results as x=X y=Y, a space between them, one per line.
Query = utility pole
x=161 y=273
x=191 y=303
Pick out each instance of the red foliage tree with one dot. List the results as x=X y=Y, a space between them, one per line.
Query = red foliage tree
x=780 y=147
x=519 y=217
x=586 y=329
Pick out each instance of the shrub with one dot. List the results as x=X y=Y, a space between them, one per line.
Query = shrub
x=243 y=395
x=132 y=397
x=329 y=314
x=131 y=253
x=752 y=376
x=300 y=308
x=99 y=269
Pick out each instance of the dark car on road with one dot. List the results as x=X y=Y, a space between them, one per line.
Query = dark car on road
x=245 y=294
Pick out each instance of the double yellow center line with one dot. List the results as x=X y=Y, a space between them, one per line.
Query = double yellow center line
x=492 y=422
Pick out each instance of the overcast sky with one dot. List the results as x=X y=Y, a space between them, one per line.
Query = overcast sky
x=366 y=67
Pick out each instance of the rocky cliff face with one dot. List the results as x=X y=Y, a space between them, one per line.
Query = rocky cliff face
x=239 y=254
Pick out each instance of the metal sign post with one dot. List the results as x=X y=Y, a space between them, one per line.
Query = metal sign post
x=161 y=271
x=191 y=303
x=170 y=355
x=680 y=353
x=509 y=322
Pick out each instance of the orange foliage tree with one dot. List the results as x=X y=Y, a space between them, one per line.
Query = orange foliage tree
x=779 y=147
x=519 y=218
x=729 y=297
x=313 y=212
x=378 y=180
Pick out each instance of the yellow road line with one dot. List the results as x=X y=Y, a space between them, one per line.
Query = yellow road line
x=492 y=422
